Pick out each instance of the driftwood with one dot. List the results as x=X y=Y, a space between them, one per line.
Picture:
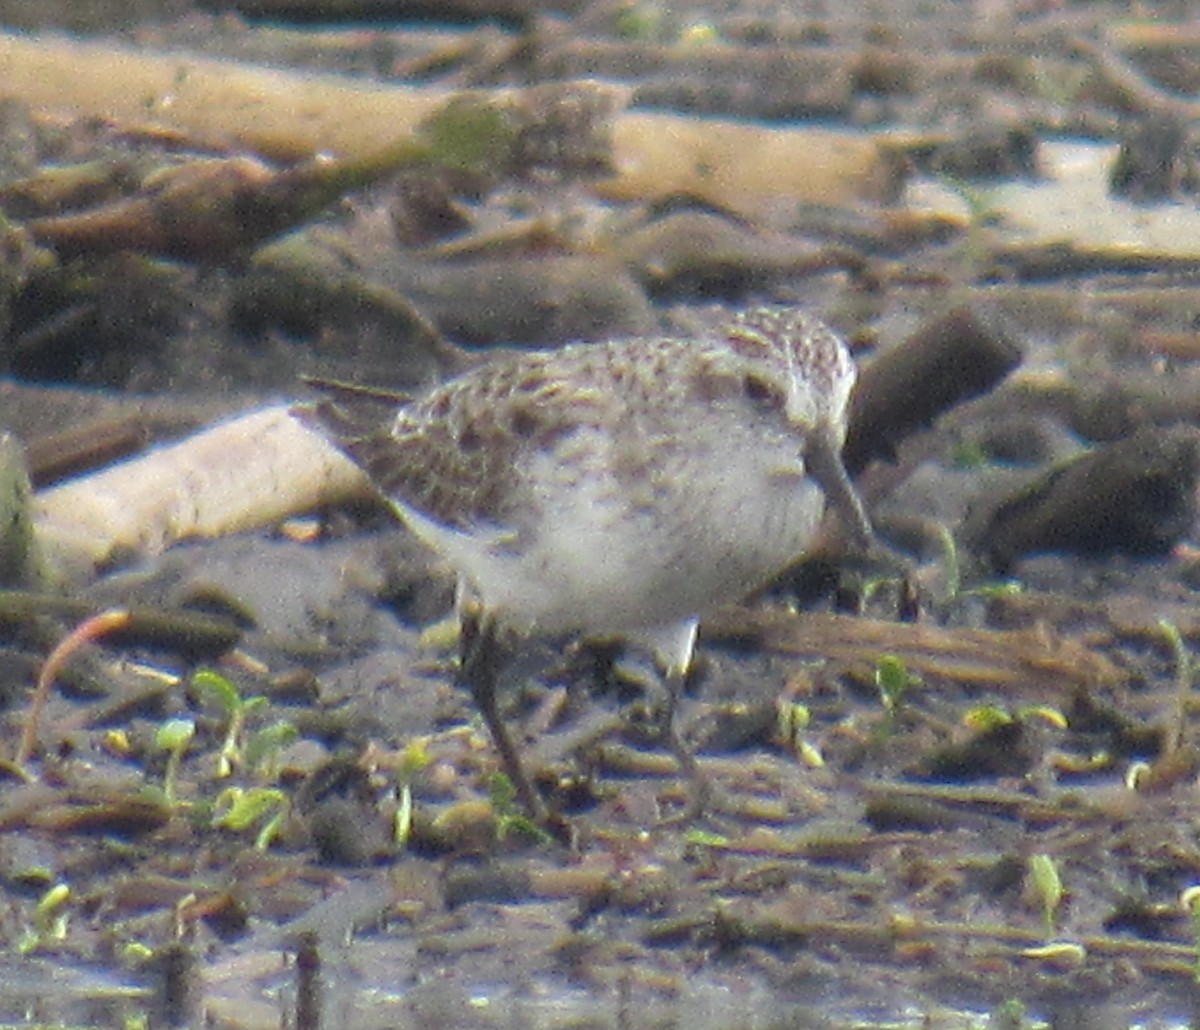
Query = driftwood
x=242 y=474
x=950 y=359
x=752 y=169
x=1135 y=496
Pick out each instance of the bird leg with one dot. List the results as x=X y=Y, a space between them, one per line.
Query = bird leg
x=673 y=648
x=699 y=790
x=482 y=656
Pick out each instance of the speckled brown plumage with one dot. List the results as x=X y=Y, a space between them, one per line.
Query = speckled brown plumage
x=454 y=453
x=621 y=488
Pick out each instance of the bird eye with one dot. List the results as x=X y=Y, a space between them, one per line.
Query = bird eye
x=760 y=391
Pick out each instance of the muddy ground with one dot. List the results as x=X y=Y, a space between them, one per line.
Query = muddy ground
x=259 y=798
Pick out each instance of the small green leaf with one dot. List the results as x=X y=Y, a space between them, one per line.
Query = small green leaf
x=893 y=679
x=239 y=809
x=51 y=901
x=270 y=831
x=706 y=838
x=525 y=826
x=269 y=741
x=1048 y=885
x=175 y=735
x=502 y=794
x=996 y=591
x=220 y=688
x=415 y=757
x=985 y=718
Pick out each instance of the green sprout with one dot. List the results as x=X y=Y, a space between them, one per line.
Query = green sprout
x=950 y=559
x=792 y=719
x=996 y=591
x=1008 y=1015
x=893 y=680
x=414 y=759
x=699 y=33
x=240 y=810
x=49 y=920
x=262 y=750
x=986 y=718
x=236 y=709
x=1063 y=954
x=174 y=736
x=1190 y=900
x=1184 y=675
x=698 y=837
x=1047 y=885
x=136 y=953
x=502 y=796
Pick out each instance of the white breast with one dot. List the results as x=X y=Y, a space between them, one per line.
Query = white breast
x=702 y=525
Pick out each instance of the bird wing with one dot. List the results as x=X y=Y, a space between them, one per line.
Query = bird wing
x=458 y=454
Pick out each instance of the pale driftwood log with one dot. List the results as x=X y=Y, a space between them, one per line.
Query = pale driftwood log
x=289 y=116
x=756 y=170
x=251 y=471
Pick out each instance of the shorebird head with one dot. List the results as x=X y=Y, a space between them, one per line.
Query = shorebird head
x=800 y=361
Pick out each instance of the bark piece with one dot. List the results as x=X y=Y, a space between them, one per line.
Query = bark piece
x=960 y=355
x=245 y=473
x=1136 y=497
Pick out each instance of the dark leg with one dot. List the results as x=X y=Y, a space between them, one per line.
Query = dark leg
x=699 y=792
x=482 y=655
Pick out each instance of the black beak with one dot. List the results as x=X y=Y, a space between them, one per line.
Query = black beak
x=823 y=460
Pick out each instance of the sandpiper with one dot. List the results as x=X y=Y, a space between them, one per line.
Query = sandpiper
x=619 y=489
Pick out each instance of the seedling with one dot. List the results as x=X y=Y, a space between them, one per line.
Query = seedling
x=239 y=810
x=261 y=753
x=1184 y=675
x=996 y=591
x=1190 y=900
x=49 y=920
x=985 y=718
x=792 y=720
x=1047 y=885
x=1008 y=1015
x=174 y=736
x=509 y=817
x=706 y=838
x=235 y=707
x=88 y=631
x=893 y=681
x=415 y=758
x=953 y=574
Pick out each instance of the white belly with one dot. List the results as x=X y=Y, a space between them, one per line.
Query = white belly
x=600 y=556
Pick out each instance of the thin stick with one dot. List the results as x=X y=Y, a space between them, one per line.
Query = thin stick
x=85 y=633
